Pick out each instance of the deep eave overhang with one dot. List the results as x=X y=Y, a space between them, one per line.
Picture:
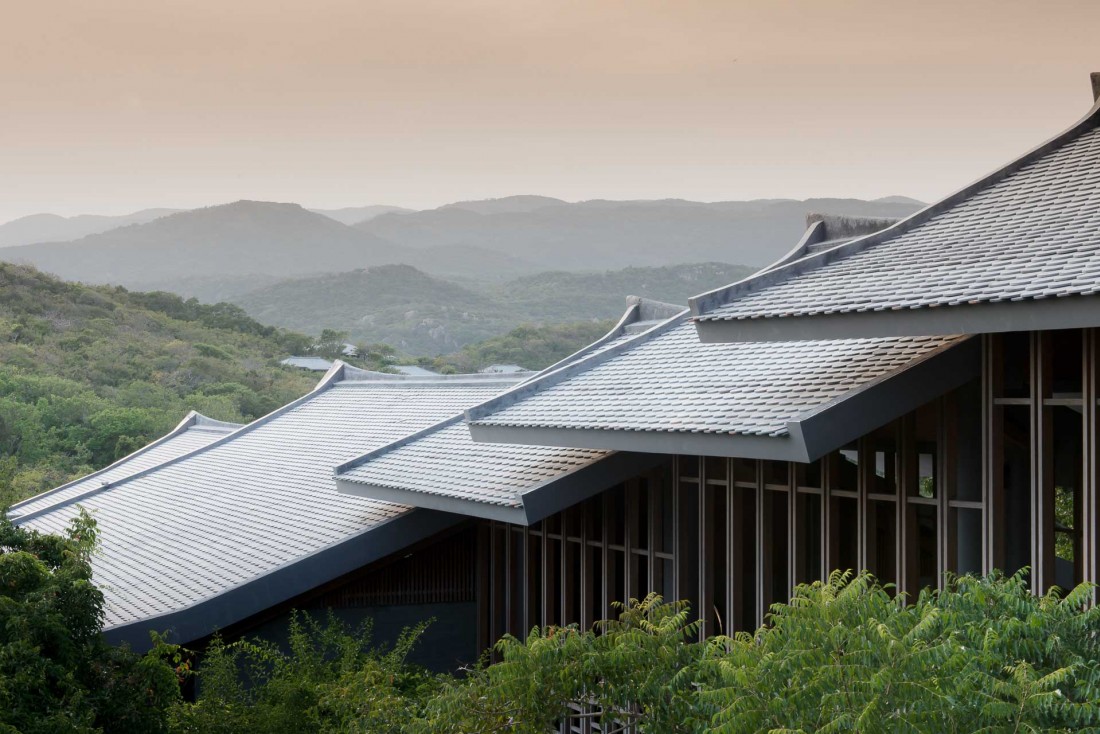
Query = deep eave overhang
x=810 y=435
x=214 y=613
x=532 y=503
x=1068 y=312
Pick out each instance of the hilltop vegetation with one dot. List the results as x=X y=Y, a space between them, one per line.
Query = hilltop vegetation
x=88 y=374
x=533 y=347
x=424 y=315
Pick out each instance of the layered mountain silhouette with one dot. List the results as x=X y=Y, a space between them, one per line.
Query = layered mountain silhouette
x=52 y=227
x=222 y=252
x=245 y=238
x=547 y=233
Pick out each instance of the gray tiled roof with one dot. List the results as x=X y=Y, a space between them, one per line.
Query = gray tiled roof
x=259 y=500
x=667 y=381
x=444 y=461
x=1029 y=231
x=193 y=432
x=447 y=463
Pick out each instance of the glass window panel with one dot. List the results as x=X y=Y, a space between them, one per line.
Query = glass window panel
x=776 y=546
x=745 y=550
x=1064 y=349
x=573 y=574
x=776 y=472
x=664 y=518
x=968 y=541
x=843 y=534
x=717 y=571
x=716 y=468
x=1066 y=466
x=689 y=466
x=926 y=470
x=924 y=573
x=1015 y=365
x=617 y=515
x=808 y=475
x=593 y=518
x=664 y=578
x=882 y=541
x=744 y=470
x=1015 y=437
x=639 y=498
x=845 y=466
x=809 y=538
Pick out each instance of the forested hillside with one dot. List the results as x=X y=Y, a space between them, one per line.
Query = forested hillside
x=88 y=374
x=425 y=315
x=530 y=346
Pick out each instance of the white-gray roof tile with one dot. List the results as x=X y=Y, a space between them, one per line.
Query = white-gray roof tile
x=446 y=462
x=261 y=499
x=667 y=381
x=195 y=431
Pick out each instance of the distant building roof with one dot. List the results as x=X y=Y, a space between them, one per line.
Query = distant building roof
x=314 y=364
x=194 y=431
x=253 y=519
x=502 y=369
x=1017 y=249
x=412 y=369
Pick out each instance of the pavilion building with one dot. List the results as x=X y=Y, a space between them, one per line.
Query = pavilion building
x=914 y=398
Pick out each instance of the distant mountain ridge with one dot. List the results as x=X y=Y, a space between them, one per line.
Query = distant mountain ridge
x=225 y=251
x=357 y=214
x=601 y=234
x=52 y=227
x=245 y=238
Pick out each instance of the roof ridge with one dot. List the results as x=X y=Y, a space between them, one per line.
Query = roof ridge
x=550 y=378
x=630 y=316
x=326 y=382
x=782 y=271
x=344 y=373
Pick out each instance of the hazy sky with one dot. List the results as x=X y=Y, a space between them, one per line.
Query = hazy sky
x=114 y=105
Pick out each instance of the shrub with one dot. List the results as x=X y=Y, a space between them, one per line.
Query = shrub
x=56 y=673
x=330 y=679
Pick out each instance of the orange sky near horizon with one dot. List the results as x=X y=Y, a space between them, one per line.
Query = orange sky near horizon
x=119 y=105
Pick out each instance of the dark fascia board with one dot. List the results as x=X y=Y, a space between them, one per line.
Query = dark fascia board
x=1067 y=312
x=880 y=401
x=431 y=501
x=286 y=582
x=584 y=482
x=533 y=503
x=783 y=448
x=810 y=435
x=710 y=300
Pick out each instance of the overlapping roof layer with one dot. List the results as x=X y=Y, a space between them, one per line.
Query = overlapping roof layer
x=194 y=432
x=1028 y=233
x=448 y=463
x=667 y=381
x=260 y=500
